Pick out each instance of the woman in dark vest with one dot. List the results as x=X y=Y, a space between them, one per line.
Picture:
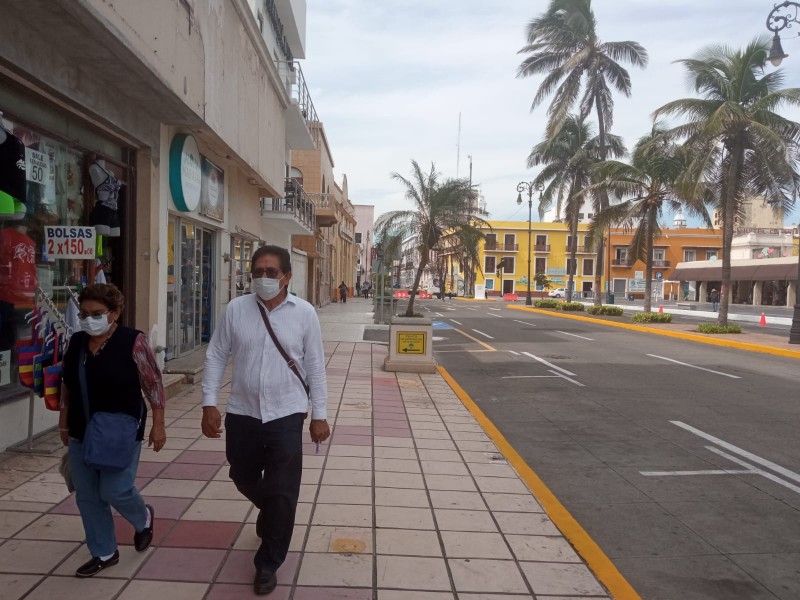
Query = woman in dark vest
x=120 y=369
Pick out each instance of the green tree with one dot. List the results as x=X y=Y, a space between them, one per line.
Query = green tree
x=438 y=207
x=563 y=45
x=656 y=164
x=741 y=146
x=567 y=161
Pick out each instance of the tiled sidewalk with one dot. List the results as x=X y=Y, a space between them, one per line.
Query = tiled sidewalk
x=410 y=500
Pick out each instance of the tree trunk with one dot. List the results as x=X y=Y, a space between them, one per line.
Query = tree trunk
x=423 y=262
x=729 y=218
x=573 y=230
x=648 y=265
x=602 y=202
x=598 y=273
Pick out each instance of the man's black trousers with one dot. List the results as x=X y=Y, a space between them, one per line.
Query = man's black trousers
x=266 y=466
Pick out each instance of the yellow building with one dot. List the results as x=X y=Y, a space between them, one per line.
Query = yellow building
x=504 y=258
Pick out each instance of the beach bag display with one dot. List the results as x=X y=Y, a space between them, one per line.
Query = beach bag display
x=52 y=381
x=27 y=350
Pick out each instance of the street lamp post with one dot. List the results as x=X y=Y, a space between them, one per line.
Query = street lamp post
x=529 y=187
x=782 y=17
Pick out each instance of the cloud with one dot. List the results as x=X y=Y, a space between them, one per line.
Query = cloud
x=390 y=77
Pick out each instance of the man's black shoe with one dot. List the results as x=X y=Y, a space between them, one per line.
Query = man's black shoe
x=143 y=538
x=264 y=582
x=94 y=566
x=260 y=525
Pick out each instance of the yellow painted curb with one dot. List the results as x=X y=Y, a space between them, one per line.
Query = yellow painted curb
x=462 y=299
x=595 y=558
x=673 y=334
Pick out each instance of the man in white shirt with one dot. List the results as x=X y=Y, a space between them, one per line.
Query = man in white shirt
x=269 y=400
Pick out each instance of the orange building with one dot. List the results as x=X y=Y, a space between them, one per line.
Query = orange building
x=674 y=246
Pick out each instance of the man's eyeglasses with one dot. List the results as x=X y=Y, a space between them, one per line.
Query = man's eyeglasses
x=94 y=315
x=271 y=273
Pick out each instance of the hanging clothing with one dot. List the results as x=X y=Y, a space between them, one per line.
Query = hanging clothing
x=104 y=216
x=17 y=267
x=12 y=173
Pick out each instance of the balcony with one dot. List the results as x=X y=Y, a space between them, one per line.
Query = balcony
x=661 y=264
x=580 y=249
x=345 y=233
x=326 y=211
x=302 y=122
x=621 y=262
x=541 y=248
x=495 y=247
x=295 y=209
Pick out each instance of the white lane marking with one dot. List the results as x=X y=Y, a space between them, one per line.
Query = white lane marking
x=490 y=308
x=578 y=383
x=695 y=366
x=494 y=315
x=483 y=334
x=524 y=322
x=575 y=335
x=736 y=450
x=551 y=365
x=456 y=322
x=439 y=314
x=761 y=472
x=470 y=308
x=514 y=353
x=709 y=472
x=533 y=377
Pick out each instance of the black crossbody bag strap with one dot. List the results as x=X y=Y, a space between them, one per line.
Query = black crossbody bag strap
x=286 y=357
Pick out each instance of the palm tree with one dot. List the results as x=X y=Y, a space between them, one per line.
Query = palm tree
x=438 y=206
x=656 y=164
x=564 y=46
x=742 y=147
x=568 y=159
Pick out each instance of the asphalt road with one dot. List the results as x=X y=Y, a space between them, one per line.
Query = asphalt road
x=681 y=460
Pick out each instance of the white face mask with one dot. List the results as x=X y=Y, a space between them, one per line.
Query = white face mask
x=95 y=326
x=266 y=288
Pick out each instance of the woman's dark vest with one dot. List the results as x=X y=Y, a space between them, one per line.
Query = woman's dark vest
x=112 y=378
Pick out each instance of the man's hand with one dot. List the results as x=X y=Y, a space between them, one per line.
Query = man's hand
x=63 y=433
x=212 y=422
x=319 y=430
x=158 y=437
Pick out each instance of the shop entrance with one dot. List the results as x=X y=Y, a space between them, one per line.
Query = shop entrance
x=191 y=287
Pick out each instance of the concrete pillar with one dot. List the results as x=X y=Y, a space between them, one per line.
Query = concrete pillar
x=791 y=294
x=703 y=291
x=757 y=287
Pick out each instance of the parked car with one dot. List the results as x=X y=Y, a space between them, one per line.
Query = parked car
x=558 y=293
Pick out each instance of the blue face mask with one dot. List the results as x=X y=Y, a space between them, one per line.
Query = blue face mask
x=266 y=288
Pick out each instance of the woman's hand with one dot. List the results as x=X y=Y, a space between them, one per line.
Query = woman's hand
x=63 y=433
x=158 y=437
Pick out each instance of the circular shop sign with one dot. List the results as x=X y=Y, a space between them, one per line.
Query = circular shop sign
x=185 y=174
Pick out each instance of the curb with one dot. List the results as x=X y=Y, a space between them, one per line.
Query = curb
x=602 y=567
x=747 y=346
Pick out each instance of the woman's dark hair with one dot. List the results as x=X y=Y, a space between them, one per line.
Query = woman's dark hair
x=106 y=293
x=282 y=254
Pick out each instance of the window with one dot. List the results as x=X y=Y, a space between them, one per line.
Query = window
x=711 y=255
x=541 y=266
x=658 y=254
x=508 y=265
x=358 y=237
x=541 y=241
x=490 y=284
x=572 y=266
x=573 y=240
x=491 y=239
x=689 y=255
x=489 y=264
x=509 y=240
x=621 y=253
x=588 y=267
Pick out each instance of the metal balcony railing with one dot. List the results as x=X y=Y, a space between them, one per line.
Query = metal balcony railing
x=621 y=262
x=295 y=83
x=319 y=200
x=661 y=264
x=541 y=248
x=495 y=247
x=294 y=202
x=581 y=249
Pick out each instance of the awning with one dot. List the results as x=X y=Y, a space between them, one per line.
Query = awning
x=779 y=269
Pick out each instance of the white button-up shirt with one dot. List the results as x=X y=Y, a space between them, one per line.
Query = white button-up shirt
x=263 y=385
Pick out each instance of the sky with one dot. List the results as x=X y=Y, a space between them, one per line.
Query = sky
x=389 y=79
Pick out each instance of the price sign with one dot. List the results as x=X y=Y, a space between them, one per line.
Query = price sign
x=37 y=166
x=70 y=242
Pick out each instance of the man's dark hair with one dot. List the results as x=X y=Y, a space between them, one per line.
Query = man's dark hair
x=281 y=253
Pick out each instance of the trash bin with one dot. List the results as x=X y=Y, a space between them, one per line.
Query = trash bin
x=630 y=297
x=609 y=298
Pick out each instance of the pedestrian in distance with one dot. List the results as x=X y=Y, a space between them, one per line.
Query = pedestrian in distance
x=108 y=370
x=714 y=297
x=275 y=343
x=358 y=288
x=343 y=292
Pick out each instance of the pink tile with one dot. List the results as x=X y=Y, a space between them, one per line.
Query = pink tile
x=168 y=508
x=310 y=449
x=396 y=409
x=392 y=432
x=390 y=416
x=201 y=457
x=239 y=568
x=313 y=593
x=204 y=534
x=190 y=471
x=354 y=429
x=230 y=591
x=66 y=507
x=140 y=482
x=149 y=469
x=380 y=423
x=182 y=564
x=352 y=440
x=124 y=530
